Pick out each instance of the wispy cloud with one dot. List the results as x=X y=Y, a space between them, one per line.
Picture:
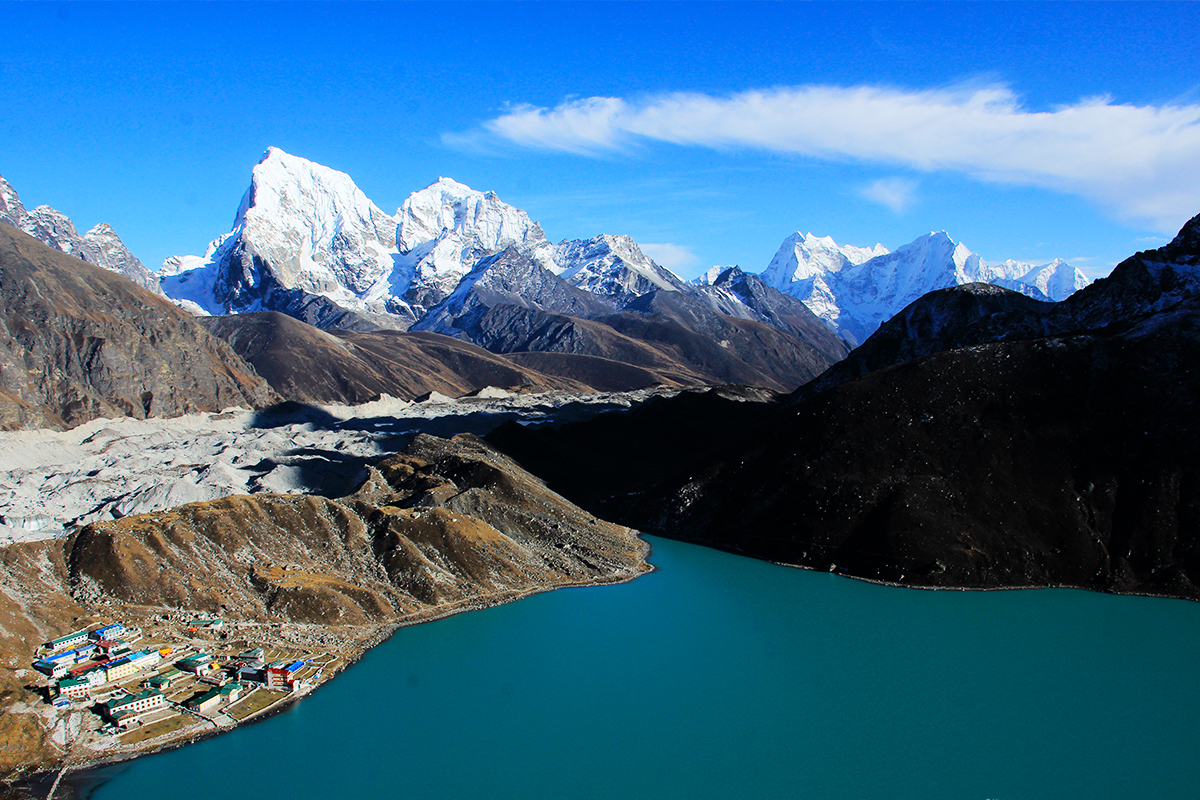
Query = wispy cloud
x=894 y=193
x=672 y=256
x=1142 y=162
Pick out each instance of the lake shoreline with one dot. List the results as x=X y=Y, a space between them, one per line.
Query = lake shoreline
x=78 y=781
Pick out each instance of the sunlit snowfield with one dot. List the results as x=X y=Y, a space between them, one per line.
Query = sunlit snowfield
x=720 y=677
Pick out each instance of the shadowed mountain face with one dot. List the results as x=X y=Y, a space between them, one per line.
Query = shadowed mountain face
x=306 y=364
x=978 y=313
x=1060 y=459
x=80 y=342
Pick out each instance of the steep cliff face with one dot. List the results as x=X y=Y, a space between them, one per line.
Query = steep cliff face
x=79 y=342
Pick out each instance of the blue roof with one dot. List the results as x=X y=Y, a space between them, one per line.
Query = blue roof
x=295 y=665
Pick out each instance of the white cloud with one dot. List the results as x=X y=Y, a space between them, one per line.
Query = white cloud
x=1142 y=162
x=672 y=256
x=895 y=193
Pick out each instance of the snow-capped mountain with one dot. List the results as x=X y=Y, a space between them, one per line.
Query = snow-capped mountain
x=856 y=289
x=301 y=227
x=612 y=266
x=100 y=246
x=1057 y=280
x=445 y=229
x=306 y=231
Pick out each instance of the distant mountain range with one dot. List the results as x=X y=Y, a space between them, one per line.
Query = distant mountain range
x=856 y=289
x=979 y=438
x=307 y=243
x=306 y=237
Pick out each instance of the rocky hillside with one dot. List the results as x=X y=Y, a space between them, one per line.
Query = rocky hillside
x=79 y=342
x=448 y=525
x=100 y=246
x=1066 y=458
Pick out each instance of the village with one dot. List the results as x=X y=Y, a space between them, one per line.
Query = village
x=139 y=690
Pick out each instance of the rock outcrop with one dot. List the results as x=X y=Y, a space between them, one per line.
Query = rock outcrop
x=79 y=342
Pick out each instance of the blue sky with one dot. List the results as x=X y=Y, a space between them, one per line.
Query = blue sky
x=707 y=131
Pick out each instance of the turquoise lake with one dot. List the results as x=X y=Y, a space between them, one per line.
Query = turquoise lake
x=725 y=677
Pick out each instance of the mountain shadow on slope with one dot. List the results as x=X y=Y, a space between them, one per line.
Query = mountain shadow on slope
x=1068 y=459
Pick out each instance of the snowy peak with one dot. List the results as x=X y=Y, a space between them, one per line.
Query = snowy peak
x=315 y=227
x=300 y=227
x=611 y=266
x=855 y=289
x=714 y=275
x=11 y=209
x=55 y=229
x=802 y=257
x=447 y=227
x=449 y=207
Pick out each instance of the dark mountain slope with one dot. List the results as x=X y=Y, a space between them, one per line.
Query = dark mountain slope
x=310 y=365
x=974 y=314
x=1068 y=459
x=79 y=342
x=740 y=294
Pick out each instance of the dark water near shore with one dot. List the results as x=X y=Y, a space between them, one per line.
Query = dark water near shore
x=724 y=677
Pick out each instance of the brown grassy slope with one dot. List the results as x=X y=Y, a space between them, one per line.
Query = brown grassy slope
x=448 y=525
x=307 y=364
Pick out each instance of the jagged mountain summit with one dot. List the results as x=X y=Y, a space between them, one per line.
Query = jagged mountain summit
x=100 y=246
x=855 y=289
x=308 y=242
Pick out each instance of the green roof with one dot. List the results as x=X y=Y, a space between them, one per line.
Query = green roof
x=69 y=636
x=198 y=659
x=113 y=705
x=204 y=698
